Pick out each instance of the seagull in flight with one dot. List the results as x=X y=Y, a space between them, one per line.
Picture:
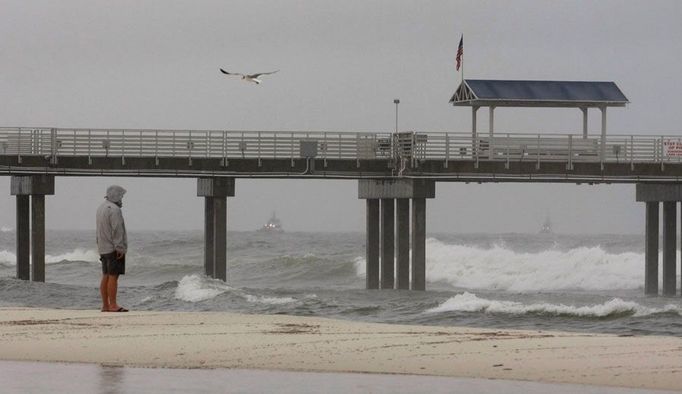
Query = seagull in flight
x=248 y=77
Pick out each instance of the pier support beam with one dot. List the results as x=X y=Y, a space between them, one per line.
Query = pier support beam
x=23 y=232
x=37 y=187
x=653 y=194
x=372 y=244
x=381 y=227
x=651 y=248
x=669 y=247
x=387 y=243
x=215 y=191
x=418 y=244
x=220 y=238
x=38 y=237
x=209 y=223
x=403 y=244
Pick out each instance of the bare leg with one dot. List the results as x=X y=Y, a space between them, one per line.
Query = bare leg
x=103 y=290
x=112 y=289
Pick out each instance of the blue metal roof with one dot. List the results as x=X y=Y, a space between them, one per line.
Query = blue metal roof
x=538 y=93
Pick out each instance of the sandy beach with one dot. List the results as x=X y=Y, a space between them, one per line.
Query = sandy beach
x=278 y=342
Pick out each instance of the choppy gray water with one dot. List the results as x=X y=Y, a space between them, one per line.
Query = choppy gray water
x=577 y=283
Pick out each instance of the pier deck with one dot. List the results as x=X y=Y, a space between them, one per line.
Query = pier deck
x=441 y=156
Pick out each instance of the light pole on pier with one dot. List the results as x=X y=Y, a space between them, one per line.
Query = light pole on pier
x=396 y=102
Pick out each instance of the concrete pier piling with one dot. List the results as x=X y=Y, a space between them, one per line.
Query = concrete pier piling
x=38 y=238
x=395 y=195
x=653 y=194
x=387 y=243
x=209 y=223
x=215 y=191
x=31 y=227
x=403 y=244
x=23 y=233
x=372 y=244
x=651 y=248
x=419 y=244
x=220 y=238
x=669 y=248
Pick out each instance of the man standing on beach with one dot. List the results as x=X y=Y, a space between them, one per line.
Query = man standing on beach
x=112 y=244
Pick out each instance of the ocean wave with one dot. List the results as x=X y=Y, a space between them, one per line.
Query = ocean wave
x=585 y=268
x=78 y=254
x=268 y=300
x=197 y=288
x=468 y=302
x=308 y=267
x=360 y=266
x=8 y=257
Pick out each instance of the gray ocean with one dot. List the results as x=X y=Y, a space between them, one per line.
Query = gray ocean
x=526 y=281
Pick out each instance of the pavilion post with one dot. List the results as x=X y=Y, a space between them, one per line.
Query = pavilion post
x=602 y=152
x=474 y=147
x=491 y=129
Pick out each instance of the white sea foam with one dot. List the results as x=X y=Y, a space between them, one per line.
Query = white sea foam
x=7 y=257
x=196 y=288
x=586 y=268
x=589 y=268
x=269 y=300
x=77 y=254
x=360 y=266
x=468 y=302
x=5 y=229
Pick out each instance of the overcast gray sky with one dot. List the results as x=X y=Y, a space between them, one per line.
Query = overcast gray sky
x=154 y=64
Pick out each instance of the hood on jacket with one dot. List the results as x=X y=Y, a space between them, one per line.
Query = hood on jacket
x=115 y=193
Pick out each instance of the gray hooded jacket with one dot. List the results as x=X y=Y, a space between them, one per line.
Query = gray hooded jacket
x=111 y=229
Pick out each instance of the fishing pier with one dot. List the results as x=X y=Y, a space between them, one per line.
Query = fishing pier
x=396 y=172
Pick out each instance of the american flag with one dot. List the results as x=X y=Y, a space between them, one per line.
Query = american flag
x=460 y=52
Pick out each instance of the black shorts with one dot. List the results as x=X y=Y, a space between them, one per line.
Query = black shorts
x=111 y=265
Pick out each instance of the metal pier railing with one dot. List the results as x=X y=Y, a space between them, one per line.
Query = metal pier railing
x=446 y=146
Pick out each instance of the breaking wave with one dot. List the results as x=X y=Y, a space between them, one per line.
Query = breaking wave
x=197 y=288
x=78 y=254
x=269 y=300
x=8 y=257
x=468 y=302
x=499 y=268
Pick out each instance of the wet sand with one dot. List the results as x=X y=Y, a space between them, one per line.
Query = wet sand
x=36 y=377
x=291 y=343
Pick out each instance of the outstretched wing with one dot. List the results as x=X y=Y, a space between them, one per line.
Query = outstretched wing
x=259 y=74
x=229 y=73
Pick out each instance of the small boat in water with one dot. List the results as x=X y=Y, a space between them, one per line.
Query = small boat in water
x=273 y=225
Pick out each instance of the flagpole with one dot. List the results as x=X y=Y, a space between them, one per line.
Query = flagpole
x=462 y=58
